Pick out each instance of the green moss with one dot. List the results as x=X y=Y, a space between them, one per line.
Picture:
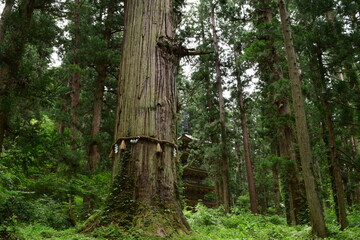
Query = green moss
x=120 y=205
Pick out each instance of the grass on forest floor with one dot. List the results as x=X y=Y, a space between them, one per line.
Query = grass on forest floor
x=207 y=224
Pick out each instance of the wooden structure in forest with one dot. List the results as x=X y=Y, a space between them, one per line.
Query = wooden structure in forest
x=193 y=177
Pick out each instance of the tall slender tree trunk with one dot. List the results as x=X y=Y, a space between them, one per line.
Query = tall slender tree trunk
x=75 y=79
x=357 y=194
x=297 y=199
x=4 y=77
x=214 y=138
x=347 y=189
x=270 y=73
x=211 y=118
x=246 y=145
x=335 y=171
x=93 y=152
x=65 y=107
x=4 y=72
x=239 y=167
x=71 y=217
x=101 y=70
x=316 y=212
x=224 y=166
x=144 y=192
x=94 y=155
x=275 y=174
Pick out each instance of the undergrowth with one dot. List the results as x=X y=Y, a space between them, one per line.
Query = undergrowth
x=206 y=224
x=214 y=224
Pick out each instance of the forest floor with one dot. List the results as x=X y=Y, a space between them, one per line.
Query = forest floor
x=207 y=224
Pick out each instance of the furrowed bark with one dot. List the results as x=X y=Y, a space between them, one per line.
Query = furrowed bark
x=144 y=191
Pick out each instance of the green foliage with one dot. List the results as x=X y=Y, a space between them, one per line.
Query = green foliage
x=243 y=202
x=48 y=212
x=351 y=232
x=213 y=224
x=39 y=232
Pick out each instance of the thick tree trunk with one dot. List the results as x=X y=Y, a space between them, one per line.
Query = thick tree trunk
x=145 y=191
x=223 y=164
x=316 y=212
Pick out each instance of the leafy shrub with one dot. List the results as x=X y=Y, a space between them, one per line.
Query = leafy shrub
x=354 y=218
x=40 y=232
x=8 y=228
x=275 y=219
x=243 y=202
x=14 y=205
x=42 y=210
x=230 y=221
x=203 y=216
x=48 y=212
x=214 y=224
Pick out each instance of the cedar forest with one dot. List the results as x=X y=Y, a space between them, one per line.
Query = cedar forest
x=95 y=95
